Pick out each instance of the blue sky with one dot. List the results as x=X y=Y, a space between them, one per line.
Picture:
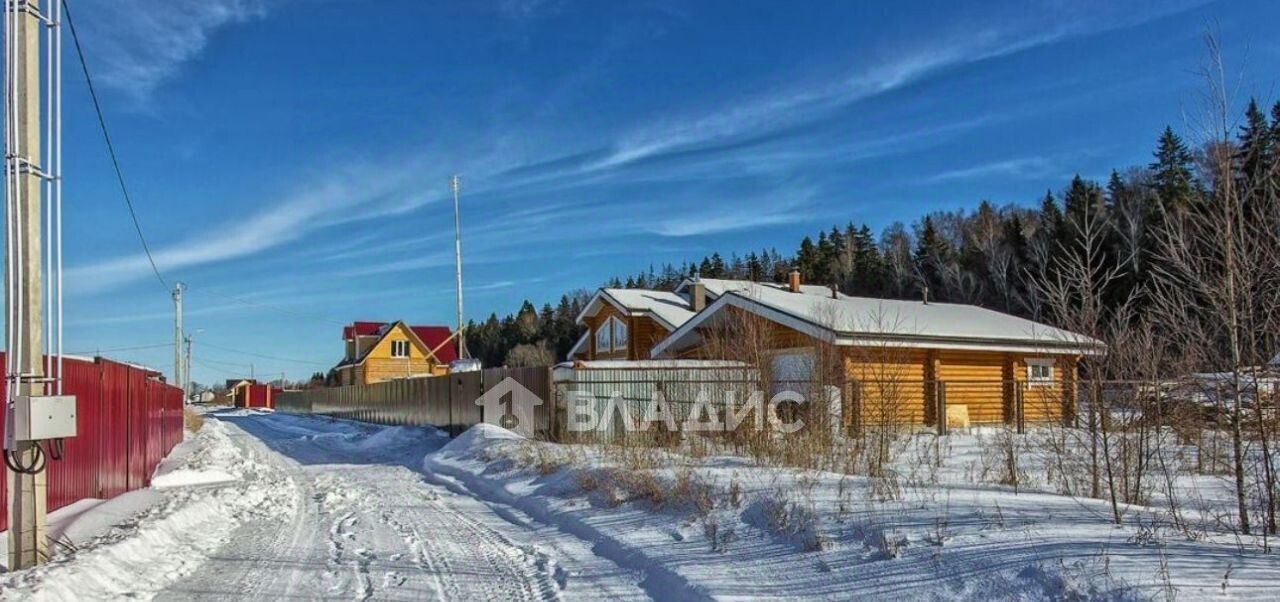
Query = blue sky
x=296 y=153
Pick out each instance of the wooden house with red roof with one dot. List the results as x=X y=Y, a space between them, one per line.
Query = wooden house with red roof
x=381 y=351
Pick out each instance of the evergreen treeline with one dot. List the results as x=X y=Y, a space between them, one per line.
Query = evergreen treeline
x=987 y=256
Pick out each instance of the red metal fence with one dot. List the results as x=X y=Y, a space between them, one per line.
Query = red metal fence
x=127 y=420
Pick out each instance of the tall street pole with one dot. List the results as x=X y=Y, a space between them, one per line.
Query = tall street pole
x=27 y=542
x=179 y=375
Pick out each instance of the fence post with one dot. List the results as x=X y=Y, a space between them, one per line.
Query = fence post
x=1020 y=404
x=942 y=407
x=855 y=407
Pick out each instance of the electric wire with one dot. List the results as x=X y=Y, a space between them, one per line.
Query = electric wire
x=106 y=136
x=264 y=356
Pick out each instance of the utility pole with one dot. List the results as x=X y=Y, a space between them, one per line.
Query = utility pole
x=29 y=182
x=455 y=184
x=178 y=373
x=186 y=367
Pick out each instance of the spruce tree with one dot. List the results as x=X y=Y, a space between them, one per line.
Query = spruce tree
x=1171 y=173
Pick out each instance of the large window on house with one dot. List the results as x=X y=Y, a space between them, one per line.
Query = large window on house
x=399 y=348
x=1040 y=371
x=602 y=338
x=619 y=335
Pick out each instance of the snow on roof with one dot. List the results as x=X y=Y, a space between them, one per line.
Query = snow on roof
x=863 y=320
x=717 y=286
x=641 y=364
x=670 y=309
x=580 y=346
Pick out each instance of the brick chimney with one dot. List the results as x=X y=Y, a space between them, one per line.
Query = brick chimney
x=793 y=281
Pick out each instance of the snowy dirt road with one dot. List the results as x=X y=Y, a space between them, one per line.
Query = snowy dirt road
x=361 y=521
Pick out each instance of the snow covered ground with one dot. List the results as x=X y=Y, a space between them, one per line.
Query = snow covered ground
x=727 y=528
x=266 y=507
x=271 y=506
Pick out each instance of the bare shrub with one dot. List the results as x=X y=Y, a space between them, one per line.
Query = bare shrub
x=192 y=420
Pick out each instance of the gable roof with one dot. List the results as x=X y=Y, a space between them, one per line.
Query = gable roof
x=870 y=321
x=669 y=309
x=428 y=337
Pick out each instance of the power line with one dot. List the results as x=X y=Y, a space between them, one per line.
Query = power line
x=218 y=370
x=276 y=308
x=114 y=349
x=267 y=357
x=115 y=162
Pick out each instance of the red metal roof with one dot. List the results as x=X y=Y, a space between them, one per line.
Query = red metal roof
x=433 y=336
x=364 y=329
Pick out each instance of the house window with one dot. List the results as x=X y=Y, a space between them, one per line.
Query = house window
x=619 y=335
x=1040 y=372
x=602 y=338
x=399 y=348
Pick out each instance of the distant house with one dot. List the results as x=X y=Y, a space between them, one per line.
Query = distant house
x=979 y=358
x=381 y=351
x=625 y=324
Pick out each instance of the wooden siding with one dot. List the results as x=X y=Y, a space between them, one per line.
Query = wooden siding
x=900 y=384
x=380 y=366
x=975 y=379
x=643 y=332
x=886 y=384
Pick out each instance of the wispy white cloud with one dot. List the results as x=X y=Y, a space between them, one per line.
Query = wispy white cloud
x=792 y=104
x=361 y=193
x=1024 y=167
x=136 y=46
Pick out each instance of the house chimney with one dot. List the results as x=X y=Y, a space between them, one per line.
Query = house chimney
x=793 y=281
x=835 y=292
x=925 y=293
x=697 y=296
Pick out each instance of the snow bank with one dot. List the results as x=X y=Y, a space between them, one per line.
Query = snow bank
x=136 y=544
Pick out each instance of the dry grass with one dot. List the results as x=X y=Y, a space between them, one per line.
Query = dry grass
x=192 y=420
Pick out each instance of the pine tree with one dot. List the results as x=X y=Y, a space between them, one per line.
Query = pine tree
x=931 y=253
x=1254 y=153
x=1171 y=173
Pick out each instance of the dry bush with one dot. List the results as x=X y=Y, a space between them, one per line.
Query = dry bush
x=192 y=420
x=1001 y=459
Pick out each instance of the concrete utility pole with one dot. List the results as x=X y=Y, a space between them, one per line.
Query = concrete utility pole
x=186 y=368
x=178 y=374
x=455 y=184
x=27 y=543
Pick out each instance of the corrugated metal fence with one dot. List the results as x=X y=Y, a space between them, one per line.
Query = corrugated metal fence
x=447 y=402
x=126 y=422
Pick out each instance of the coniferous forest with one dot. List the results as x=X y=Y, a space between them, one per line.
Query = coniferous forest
x=1000 y=257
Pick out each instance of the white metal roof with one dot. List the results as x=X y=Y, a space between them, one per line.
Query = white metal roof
x=716 y=287
x=669 y=309
x=867 y=321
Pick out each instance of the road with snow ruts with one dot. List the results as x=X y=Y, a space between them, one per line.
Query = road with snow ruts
x=349 y=513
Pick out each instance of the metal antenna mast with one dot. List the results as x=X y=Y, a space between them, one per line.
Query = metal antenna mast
x=455 y=184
